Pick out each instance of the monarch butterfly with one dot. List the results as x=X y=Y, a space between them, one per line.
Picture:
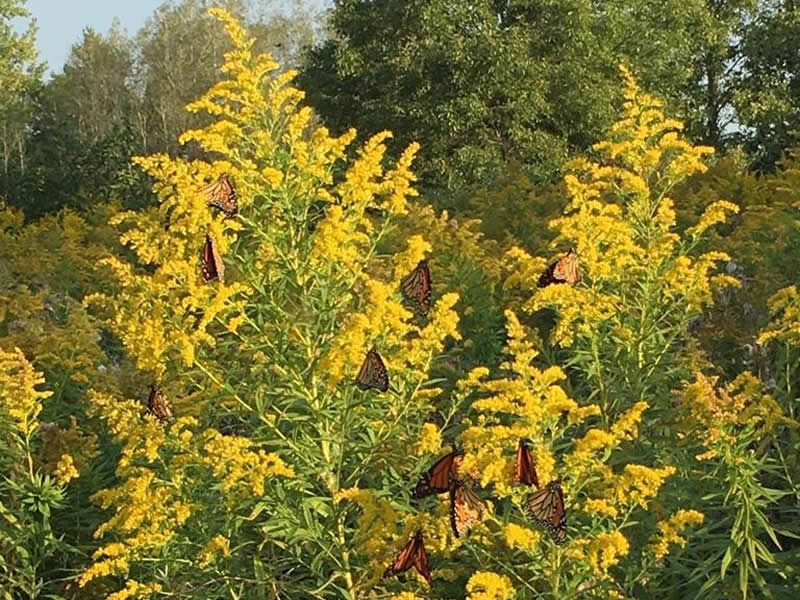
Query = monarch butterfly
x=566 y=269
x=546 y=507
x=525 y=469
x=413 y=554
x=221 y=194
x=159 y=405
x=437 y=479
x=213 y=267
x=416 y=287
x=466 y=507
x=372 y=373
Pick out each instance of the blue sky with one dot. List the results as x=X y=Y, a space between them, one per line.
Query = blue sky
x=62 y=21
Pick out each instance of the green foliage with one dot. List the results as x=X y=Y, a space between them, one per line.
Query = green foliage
x=769 y=100
x=482 y=83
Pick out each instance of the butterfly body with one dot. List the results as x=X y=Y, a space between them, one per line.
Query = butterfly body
x=412 y=555
x=416 y=287
x=546 y=507
x=566 y=269
x=159 y=405
x=525 y=471
x=373 y=373
x=437 y=479
x=213 y=267
x=221 y=194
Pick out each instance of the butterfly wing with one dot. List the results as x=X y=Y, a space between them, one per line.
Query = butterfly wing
x=416 y=287
x=421 y=563
x=466 y=507
x=546 y=507
x=159 y=405
x=525 y=468
x=221 y=194
x=373 y=373
x=412 y=555
x=565 y=270
x=437 y=479
x=213 y=267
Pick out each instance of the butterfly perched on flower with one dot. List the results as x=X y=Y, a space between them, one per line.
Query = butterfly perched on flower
x=221 y=194
x=416 y=287
x=373 y=373
x=525 y=471
x=436 y=480
x=213 y=267
x=546 y=507
x=566 y=269
x=159 y=405
x=466 y=507
x=412 y=555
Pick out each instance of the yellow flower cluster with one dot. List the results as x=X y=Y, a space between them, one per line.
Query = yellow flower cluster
x=620 y=219
x=785 y=309
x=19 y=399
x=232 y=461
x=533 y=398
x=669 y=531
x=217 y=545
x=638 y=483
x=485 y=585
x=520 y=537
x=605 y=551
x=134 y=589
x=720 y=412
x=430 y=439
x=65 y=470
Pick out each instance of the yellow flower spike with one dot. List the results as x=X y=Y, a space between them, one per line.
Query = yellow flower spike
x=430 y=439
x=18 y=396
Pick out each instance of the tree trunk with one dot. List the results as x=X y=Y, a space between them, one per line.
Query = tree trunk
x=712 y=101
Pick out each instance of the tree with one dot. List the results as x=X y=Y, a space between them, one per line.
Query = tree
x=94 y=89
x=768 y=104
x=80 y=136
x=717 y=68
x=20 y=73
x=180 y=51
x=479 y=83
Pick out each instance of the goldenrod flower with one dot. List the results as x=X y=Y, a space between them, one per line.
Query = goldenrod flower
x=670 y=529
x=606 y=550
x=485 y=585
x=65 y=470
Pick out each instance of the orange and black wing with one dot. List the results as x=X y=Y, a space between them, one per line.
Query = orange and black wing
x=437 y=479
x=373 y=373
x=466 y=507
x=221 y=194
x=566 y=269
x=525 y=467
x=412 y=555
x=213 y=267
x=546 y=507
x=416 y=287
x=159 y=405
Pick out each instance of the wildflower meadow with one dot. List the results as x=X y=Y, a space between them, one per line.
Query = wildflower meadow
x=298 y=372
